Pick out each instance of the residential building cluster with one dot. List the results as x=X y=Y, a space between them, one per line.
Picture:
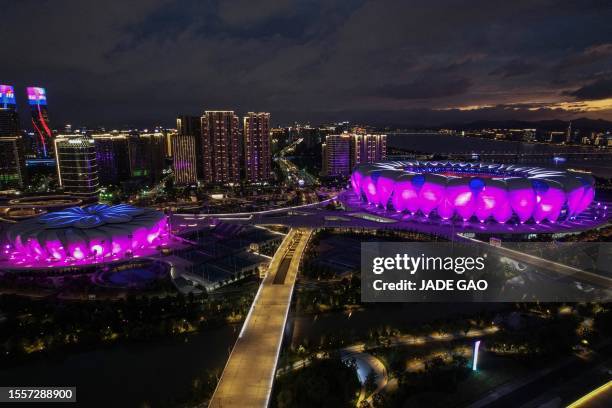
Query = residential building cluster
x=214 y=149
x=342 y=152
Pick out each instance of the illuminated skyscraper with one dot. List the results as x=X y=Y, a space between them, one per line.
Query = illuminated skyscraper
x=77 y=168
x=12 y=162
x=367 y=148
x=336 y=155
x=112 y=157
x=341 y=153
x=188 y=125
x=9 y=119
x=192 y=126
x=37 y=98
x=168 y=135
x=220 y=147
x=257 y=157
x=324 y=169
x=146 y=153
x=184 y=161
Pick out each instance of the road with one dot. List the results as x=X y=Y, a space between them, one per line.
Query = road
x=550 y=266
x=247 y=378
x=294 y=175
x=359 y=215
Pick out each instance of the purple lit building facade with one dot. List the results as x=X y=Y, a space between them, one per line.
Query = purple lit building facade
x=256 y=141
x=336 y=155
x=341 y=153
x=474 y=190
x=221 y=156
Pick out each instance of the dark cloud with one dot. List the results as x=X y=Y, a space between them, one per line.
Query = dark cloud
x=431 y=88
x=592 y=54
x=248 y=13
x=599 y=89
x=514 y=68
x=141 y=62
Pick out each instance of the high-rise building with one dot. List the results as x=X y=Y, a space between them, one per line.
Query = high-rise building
x=11 y=148
x=341 y=153
x=37 y=99
x=257 y=156
x=220 y=147
x=188 y=125
x=168 y=135
x=12 y=163
x=146 y=153
x=366 y=148
x=192 y=126
x=336 y=155
x=324 y=167
x=112 y=157
x=9 y=119
x=77 y=168
x=184 y=159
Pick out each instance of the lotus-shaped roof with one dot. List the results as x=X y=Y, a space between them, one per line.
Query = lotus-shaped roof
x=84 y=227
x=91 y=216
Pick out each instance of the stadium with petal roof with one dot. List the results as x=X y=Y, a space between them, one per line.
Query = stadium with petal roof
x=475 y=191
x=84 y=235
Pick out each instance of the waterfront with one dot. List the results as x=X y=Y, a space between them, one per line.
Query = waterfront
x=511 y=152
x=159 y=374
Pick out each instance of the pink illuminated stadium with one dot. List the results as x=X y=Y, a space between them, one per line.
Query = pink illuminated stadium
x=85 y=235
x=475 y=190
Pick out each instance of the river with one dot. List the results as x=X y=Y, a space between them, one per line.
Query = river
x=132 y=375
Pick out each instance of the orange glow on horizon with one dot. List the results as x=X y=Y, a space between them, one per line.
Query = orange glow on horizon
x=569 y=106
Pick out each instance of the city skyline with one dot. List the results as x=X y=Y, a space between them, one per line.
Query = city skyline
x=306 y=203
x=412 y=64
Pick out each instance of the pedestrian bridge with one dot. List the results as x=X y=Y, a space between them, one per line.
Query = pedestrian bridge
x=248 y=376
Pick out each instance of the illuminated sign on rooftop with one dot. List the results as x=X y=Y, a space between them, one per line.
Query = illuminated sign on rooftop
x=37 y=96
x=7 y=95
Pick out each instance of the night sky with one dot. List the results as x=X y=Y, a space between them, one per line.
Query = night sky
x=140 y=63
